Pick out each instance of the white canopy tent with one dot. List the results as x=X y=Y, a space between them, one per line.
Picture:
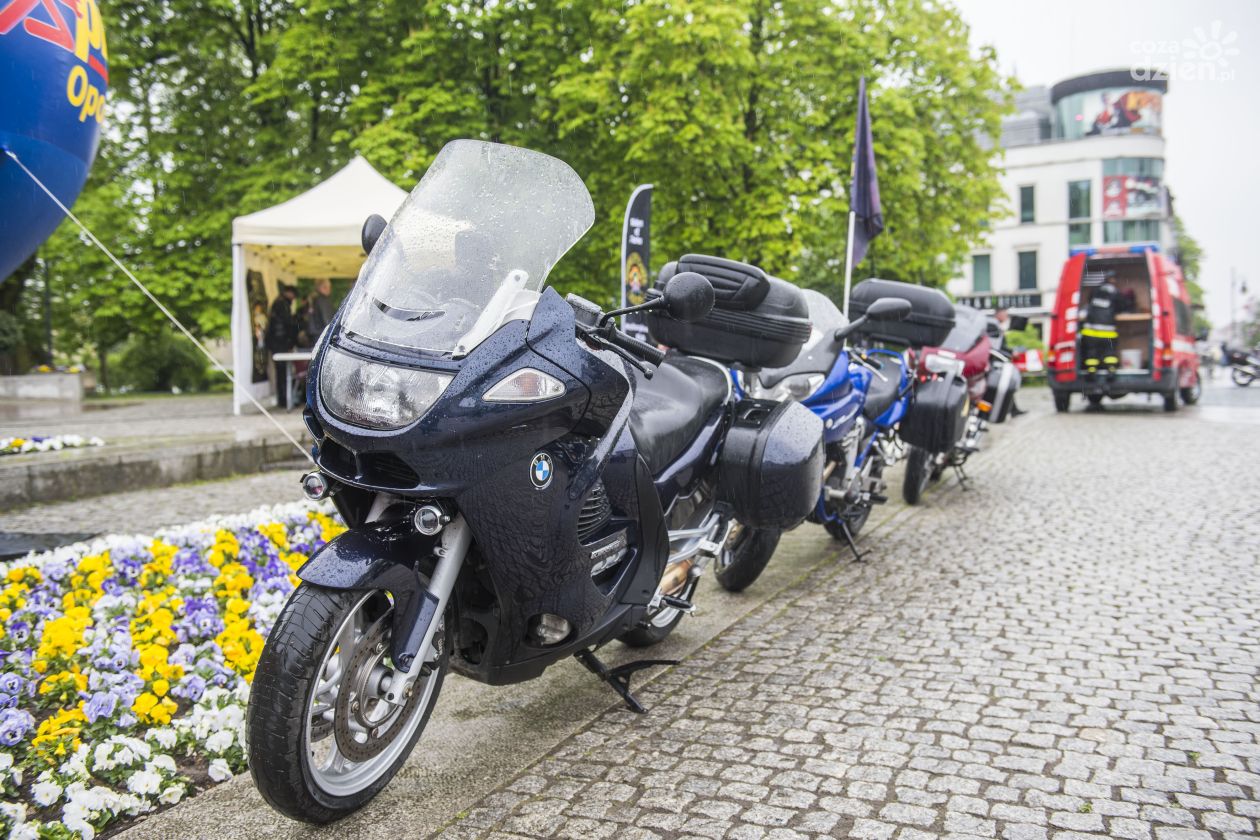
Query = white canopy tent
x=316 y=234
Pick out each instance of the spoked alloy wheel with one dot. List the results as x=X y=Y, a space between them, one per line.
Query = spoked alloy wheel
x=324 y=737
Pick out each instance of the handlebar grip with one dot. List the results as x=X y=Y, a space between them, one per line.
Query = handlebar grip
x=634 y=347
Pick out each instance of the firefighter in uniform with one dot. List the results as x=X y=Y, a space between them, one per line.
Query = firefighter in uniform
x=1098 y=332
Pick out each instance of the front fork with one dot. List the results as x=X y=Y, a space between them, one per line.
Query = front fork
x=383 y=555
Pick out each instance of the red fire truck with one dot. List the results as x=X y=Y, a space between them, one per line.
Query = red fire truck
x=1154 y=327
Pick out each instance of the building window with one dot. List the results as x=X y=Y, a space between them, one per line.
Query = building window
x=1027 y=205
x=1131 y=230
x=1027 y=270
x=980 y=276
x=1078 y=200
x=1137 y=167
x=1079 y=234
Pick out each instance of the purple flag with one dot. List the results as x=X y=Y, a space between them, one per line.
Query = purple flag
x=864 y=190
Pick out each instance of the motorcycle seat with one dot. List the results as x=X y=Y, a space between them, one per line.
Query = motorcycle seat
x=882 y=392
x=671 y=408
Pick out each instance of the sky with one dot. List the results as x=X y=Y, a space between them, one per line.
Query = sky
x=1211 y=112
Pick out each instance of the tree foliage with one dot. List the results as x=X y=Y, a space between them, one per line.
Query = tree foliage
x=740 y=112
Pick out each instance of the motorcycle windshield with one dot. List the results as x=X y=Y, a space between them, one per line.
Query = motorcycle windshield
x=469 y=249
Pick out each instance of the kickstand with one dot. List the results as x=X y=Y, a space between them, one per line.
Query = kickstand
x=618 y=678
x=962 y=477
x=858 y=557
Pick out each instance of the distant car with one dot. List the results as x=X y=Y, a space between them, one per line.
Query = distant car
x=1155 y=329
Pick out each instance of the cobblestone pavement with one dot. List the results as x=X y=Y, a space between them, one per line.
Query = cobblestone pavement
x=1068 y=649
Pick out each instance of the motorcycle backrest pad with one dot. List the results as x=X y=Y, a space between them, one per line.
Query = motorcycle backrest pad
x=929 y=322
x=757 y=321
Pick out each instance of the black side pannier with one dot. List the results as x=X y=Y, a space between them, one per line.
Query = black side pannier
x=770 y=469
x=1001 y=383
x=758 y=321
x=938 y=416
x=929 y=322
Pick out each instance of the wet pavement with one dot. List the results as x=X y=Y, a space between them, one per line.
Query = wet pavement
x=1068 y=648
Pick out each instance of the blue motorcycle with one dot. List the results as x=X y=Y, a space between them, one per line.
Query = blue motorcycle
x=860 y=394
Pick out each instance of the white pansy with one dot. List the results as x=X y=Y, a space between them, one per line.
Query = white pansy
x=164 y=762
x=220 y=741
x=219 y=770
x=25 y=831
x=171 y=795
x=14 y=812
x=164 y=736
x=45 y=793
x=102 y=759
x=6 y=761
x=144 y=782
x=76 y=818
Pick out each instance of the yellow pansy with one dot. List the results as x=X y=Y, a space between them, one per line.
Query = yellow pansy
x=58 y=736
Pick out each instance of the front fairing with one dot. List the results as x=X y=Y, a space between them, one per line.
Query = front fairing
x=478 y=455
x=838 y=399
x=461 y=438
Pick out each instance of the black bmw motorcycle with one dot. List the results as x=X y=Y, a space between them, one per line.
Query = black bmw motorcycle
x=522 y=481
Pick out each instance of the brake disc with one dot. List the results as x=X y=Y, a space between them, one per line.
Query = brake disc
x=364 y=723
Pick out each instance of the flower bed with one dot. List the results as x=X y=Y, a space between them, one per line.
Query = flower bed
x=35 y=443
x=125 y=665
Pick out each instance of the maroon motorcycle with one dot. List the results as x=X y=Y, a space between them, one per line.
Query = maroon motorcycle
x=963 y=384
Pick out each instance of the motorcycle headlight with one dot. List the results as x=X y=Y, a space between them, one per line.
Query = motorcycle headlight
x=798 y=386
x=937 y=363
x=375 y=395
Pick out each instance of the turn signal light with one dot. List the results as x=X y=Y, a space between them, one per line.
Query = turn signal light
x=984 y=405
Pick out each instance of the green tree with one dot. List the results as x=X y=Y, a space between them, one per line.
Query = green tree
x=741 y=112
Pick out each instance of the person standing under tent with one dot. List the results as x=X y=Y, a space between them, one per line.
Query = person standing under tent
x=282 y=333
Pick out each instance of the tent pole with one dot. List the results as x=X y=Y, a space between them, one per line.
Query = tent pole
x=242 y=331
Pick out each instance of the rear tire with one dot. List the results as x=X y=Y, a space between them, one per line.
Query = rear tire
x=1241 y=377
x=1062 y=401
x=1095 y=400
x=1191 y=395
x=308 y=640
x=918 y=475
x=1170 y=401
x=748 y=554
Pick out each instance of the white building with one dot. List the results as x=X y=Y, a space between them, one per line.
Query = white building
x=1084 y=165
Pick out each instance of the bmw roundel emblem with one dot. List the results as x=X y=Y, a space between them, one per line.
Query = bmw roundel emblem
x=540 y=470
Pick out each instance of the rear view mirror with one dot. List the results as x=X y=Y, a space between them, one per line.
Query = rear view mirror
x=373 y=227
x=688 y=297
x=888 y=309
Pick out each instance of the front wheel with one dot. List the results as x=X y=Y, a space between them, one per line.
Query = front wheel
x=1170 y=401
x=745 y=557
x=323 y=735
x=1241 y=377
x=918 y=474
x=1062 y=401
